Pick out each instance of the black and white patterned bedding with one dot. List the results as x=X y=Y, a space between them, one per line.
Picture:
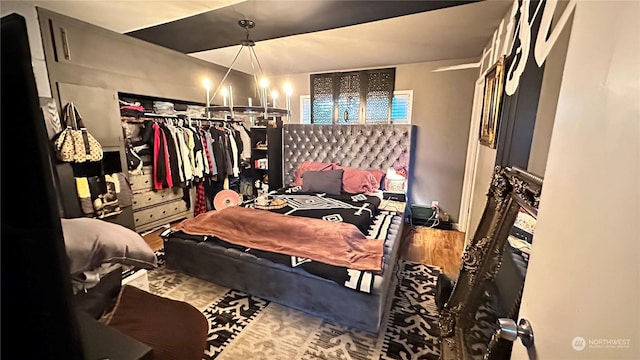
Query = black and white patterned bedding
x=357 y=209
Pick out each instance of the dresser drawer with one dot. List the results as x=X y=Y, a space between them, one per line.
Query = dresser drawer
x=142 y=182
x=159 y=212
x=148 y=198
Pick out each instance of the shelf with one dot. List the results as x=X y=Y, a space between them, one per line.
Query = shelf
x=250 y=110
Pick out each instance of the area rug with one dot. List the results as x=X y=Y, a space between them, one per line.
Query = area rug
x=242 y=326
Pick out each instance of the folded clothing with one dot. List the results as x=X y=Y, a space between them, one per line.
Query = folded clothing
x=135 y=111
x=163 y=108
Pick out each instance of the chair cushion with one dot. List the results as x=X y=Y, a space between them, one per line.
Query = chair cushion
x=174 y=329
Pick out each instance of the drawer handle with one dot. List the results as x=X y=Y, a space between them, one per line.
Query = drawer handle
x=65 y=44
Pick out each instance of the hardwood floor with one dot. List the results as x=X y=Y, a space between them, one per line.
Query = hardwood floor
x=154 y=240
x=442 y=248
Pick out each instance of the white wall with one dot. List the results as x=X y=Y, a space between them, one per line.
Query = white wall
x=28 y=11
x=583 y=279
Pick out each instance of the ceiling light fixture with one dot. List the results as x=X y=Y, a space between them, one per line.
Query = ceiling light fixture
x=228 y=107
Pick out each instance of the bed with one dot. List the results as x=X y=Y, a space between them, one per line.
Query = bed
x=336 y=292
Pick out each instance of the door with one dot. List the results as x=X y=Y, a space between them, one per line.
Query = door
x=99 y=109
x=583 y=282
x=471 y=164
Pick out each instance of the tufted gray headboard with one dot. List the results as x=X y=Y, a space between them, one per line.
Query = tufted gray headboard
x=358 y=146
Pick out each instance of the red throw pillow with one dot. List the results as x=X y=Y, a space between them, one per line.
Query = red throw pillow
x=309 y=166
x=358 y=180
x=378 y=174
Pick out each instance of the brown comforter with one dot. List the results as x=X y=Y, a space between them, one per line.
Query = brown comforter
x=332 y=243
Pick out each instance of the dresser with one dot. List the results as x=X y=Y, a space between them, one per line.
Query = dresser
x=154 y=208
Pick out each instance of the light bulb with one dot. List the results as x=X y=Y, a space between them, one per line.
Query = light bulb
x=274 y=94
x=288 y=89
x=206 y=83
x=224 y=93
x=264 y=82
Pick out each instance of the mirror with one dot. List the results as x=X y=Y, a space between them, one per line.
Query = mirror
x=493 y=269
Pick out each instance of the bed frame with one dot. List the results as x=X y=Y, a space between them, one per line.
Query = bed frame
x=361 y=146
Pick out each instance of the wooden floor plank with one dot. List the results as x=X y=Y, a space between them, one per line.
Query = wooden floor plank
x=442 y=248
x=154 y=240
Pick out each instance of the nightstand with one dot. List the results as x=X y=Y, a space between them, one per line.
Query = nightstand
x=392 y=205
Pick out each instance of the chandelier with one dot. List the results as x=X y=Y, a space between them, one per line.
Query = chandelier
x=264 y=107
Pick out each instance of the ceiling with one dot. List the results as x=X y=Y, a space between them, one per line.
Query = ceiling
x=302 y=36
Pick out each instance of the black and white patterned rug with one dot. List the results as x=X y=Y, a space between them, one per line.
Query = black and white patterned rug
x=246 y=327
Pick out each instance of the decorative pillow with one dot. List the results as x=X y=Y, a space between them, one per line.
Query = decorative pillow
x=379 y=175
x=329 y=181
x=359 y=181
x=309 y=166
x=92 y=242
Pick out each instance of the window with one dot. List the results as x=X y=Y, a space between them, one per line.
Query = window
x=354 y=97
x=401 y=107
x=305 y=109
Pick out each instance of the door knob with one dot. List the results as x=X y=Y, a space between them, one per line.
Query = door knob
x=510 y=331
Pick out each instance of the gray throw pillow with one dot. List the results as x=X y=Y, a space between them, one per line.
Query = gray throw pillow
x=92 y=242
x=329 y=182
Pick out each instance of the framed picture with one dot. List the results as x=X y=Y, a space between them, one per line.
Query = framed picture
x=491 y=103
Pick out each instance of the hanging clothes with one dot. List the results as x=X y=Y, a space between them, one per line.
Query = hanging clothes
x=198 y=160
x=220 y=152
x=161 y=167
x=173 y=157
x=209 y=143
x=183 y=149
x=188 y=139
x=209 y=165
x=235 y=169
x=178 y=151
x=200 y=205
x=168 y=180
x=244 y=139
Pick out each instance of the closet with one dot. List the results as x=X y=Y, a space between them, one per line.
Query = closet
x=177 y=159
x=95 y=77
